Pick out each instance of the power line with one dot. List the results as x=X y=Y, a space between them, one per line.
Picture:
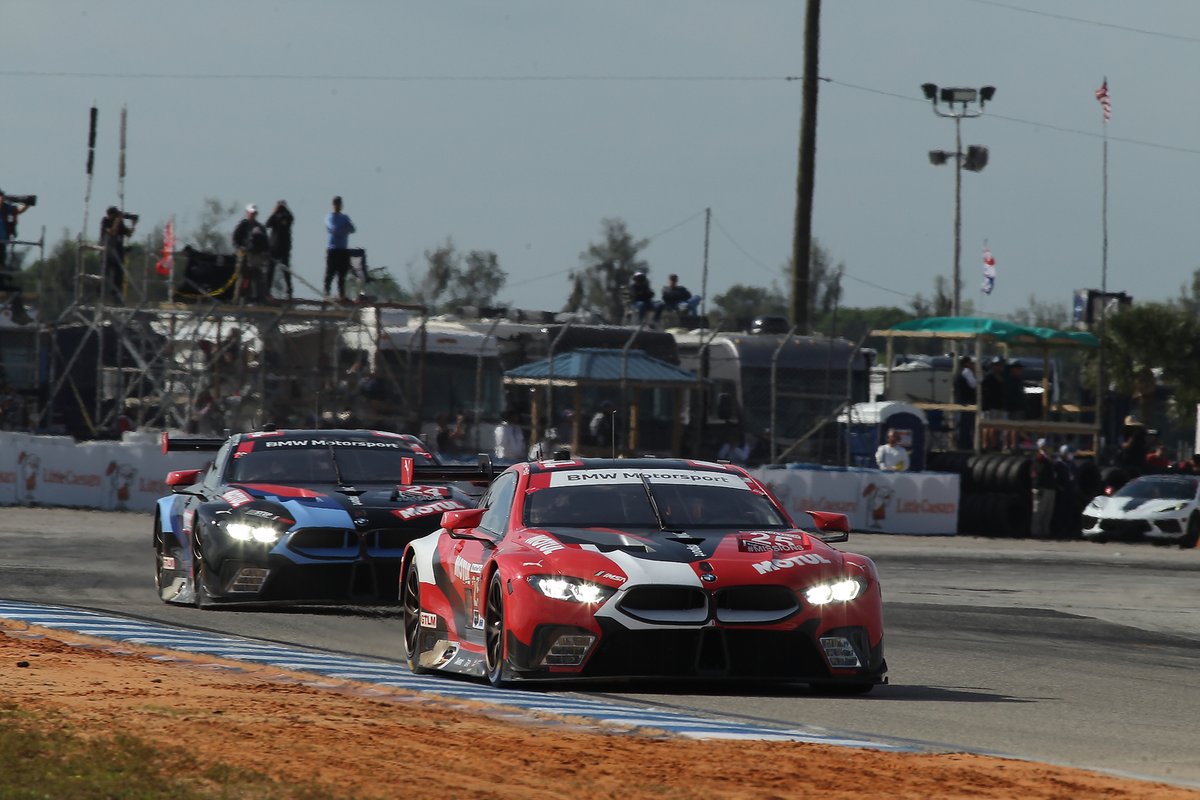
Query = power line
x=1084 y=21
x=269 y=76
x=1019 y=121
x=774 y=272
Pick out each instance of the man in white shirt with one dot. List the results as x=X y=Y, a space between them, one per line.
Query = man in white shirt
x=891 y=455
x=509 y=439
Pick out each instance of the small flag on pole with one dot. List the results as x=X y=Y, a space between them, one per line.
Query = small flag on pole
x=989 y=271
x=1105 y=103
x=164 y=264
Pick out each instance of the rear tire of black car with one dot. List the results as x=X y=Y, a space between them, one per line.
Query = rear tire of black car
x=1192 y=536
x=161 y=550
x=202 y=599
x=410 y=597
x=494 y=633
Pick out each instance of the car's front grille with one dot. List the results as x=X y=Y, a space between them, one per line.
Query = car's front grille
x=755 y=604
x=681 y=605
x=708 y=652
x=320 y=539
x=1124 y=526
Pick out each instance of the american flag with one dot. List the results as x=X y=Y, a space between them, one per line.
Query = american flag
x=989 y=271
x=1105 y=103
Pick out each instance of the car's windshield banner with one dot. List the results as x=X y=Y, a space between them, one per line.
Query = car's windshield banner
x=681 y=477
x=284 y=444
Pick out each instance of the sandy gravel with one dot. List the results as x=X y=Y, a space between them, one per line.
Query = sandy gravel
x=352 y=741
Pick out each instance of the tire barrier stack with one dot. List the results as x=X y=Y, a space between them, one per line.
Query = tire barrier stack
x=995 y=498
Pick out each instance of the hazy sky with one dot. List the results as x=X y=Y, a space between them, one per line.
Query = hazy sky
x=518 y=125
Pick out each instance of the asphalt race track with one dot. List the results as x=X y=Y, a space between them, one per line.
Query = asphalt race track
x=1073 y=653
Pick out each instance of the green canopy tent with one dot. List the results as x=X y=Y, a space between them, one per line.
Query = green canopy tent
x=983 y=331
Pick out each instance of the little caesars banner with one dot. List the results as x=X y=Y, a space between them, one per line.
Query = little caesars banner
x=874 y=501
x=114 y=476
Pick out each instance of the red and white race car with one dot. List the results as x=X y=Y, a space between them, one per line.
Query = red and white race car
x=640 y=568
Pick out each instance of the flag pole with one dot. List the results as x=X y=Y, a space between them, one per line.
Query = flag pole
x=1105 y=103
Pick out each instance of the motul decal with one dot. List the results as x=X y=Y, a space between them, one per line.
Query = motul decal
x=428 y=620
x=427 y=509
x=236 y=497
x=764 y=567
x=767 y=542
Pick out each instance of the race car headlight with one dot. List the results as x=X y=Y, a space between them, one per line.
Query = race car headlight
x=572 y=589
x=244 y=532
x=842 y=591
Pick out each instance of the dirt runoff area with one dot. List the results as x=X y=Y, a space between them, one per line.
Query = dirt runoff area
x=347 y=740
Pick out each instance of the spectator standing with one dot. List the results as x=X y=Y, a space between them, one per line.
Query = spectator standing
x=891 y=455
x=1044 y=486
x=337 y=253
x=1156 y=459
x=992 y=402
x=965 y=384
x=641 y=297
x=677 y=298
x=252 y=244
x=113 y=233
x=279 y=224
x=1131 y=452
x=509 y=438
x=601 y=425
x=8 y=225
x=1067 y=505
x=1014 y=400
x=735 y=450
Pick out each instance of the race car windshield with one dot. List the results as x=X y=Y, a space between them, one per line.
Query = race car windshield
x=316 y=465
x=626 y=506
x=1175 y=489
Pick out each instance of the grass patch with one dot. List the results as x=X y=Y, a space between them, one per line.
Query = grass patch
x=42 y=758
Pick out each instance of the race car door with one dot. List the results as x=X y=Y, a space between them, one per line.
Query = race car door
x=472 y=552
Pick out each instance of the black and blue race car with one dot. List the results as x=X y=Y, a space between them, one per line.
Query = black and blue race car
x=301 y=516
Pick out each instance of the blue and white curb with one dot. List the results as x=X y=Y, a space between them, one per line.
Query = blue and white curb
x=398 y=676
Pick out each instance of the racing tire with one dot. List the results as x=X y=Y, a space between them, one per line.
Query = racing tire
x=160 y=550
x=410 y=599
x=495 y=631
x=1192 y=536
x=201 y=597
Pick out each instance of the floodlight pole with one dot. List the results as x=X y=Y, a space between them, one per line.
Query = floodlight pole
x=961 y=97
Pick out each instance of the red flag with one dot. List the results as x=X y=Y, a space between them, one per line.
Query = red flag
x=164 y=264
x=1105 y=103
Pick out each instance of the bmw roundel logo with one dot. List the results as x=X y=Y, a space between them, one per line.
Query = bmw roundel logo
x=708 y=576
x=360 y=521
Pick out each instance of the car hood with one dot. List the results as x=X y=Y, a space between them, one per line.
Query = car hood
x=378 y=505
x=739 y=556
x=1136 y=507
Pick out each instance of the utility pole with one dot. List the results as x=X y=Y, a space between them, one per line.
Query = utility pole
x=802 y=228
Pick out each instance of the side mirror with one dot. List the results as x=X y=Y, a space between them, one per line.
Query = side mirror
x=462 y=519
x=183 y=477
x=831 y=527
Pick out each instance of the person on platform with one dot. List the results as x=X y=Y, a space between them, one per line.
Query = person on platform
x=337 y=249
x=279 y=226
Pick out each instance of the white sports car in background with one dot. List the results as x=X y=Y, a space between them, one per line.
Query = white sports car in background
x=1159 y=508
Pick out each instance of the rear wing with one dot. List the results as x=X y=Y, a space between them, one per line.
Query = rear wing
x=412 y=473
x=191 y=443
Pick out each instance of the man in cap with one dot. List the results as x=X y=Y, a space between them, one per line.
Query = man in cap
x=641 y=297
x=1044 y=486
x=113 y=233
x=252 y=245
x=992 y=401
x=8 y=225
x=965 y=384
